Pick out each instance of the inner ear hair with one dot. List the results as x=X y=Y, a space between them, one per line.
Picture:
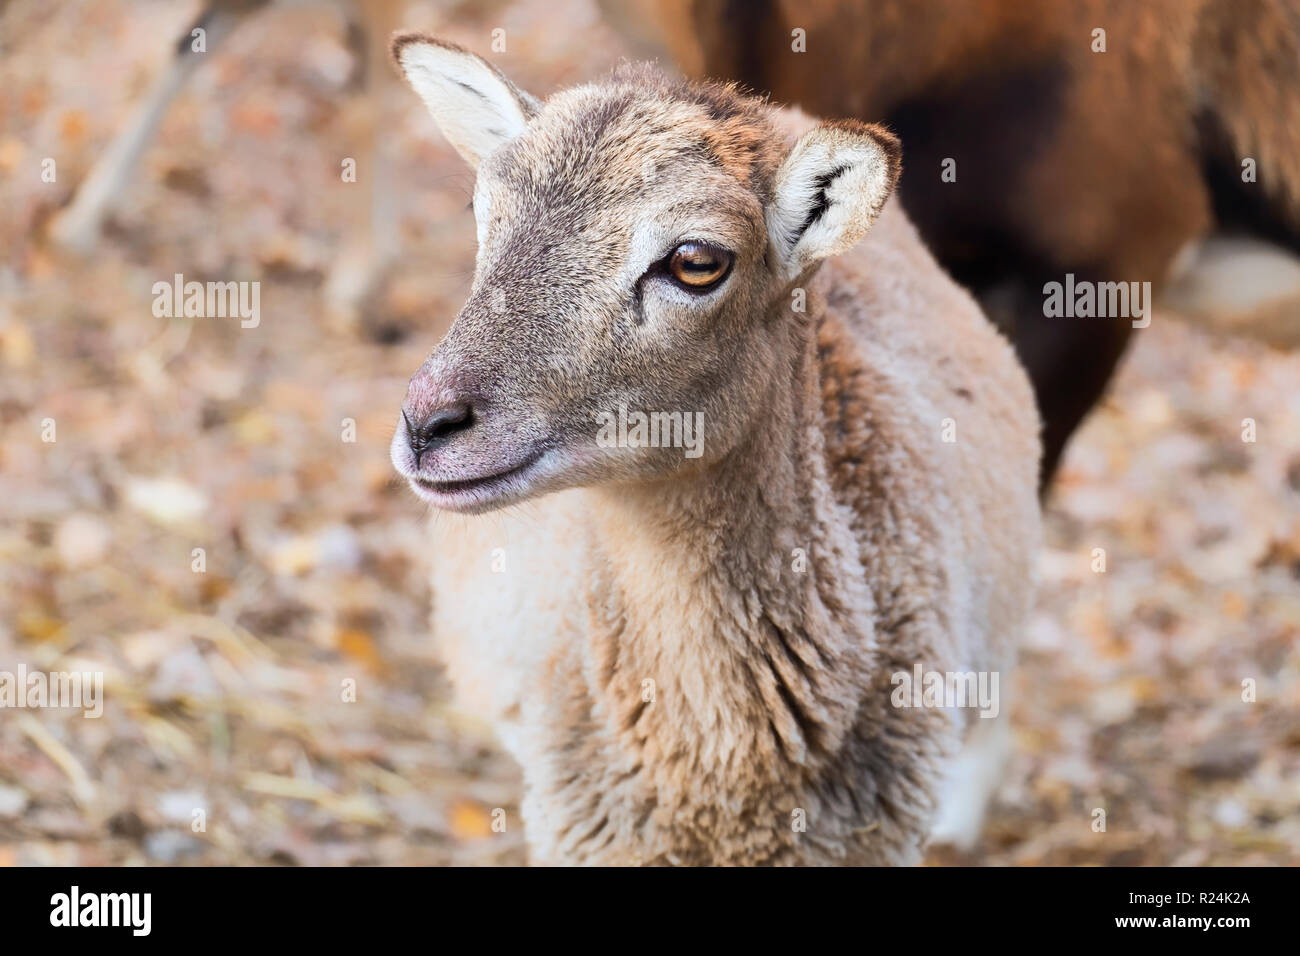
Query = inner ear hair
x=830 y=189
x=821 y=202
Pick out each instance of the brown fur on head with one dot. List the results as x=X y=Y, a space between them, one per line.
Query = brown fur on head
x=574 y=312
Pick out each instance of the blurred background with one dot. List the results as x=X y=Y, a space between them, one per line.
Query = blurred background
x=223 y=687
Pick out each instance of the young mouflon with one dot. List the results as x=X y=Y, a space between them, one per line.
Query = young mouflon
x=772 y=463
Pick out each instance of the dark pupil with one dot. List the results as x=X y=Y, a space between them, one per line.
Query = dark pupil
x=697 y=263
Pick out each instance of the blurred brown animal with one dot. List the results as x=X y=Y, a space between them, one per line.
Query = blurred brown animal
x=1113 y=166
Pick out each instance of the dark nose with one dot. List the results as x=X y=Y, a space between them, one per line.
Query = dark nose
x=440 y=423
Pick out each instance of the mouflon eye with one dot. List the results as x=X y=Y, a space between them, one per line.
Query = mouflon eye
x=698 y=266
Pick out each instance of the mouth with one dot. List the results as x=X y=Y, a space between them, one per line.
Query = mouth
x=482 y=493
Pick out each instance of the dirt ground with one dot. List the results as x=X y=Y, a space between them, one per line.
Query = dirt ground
x=224 y=689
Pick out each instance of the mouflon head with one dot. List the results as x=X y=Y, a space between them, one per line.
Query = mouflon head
x=639 y=238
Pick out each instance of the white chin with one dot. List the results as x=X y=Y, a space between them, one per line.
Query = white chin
x=474 y=496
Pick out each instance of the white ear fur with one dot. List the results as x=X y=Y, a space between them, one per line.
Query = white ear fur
x=472 y=102
x=829 y=191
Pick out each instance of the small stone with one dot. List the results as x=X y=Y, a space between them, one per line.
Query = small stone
x=178 y=806
x=81 y=540
x=13 y=801
x=168 y=501
x=169 y=846
x=1230 y=813
x=338 y=548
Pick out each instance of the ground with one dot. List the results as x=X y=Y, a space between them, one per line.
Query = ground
x=202 y=531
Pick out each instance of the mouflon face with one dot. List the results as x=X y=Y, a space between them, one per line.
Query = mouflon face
x=638 y=241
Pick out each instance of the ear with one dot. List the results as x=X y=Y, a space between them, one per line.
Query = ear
x=474 y=105
x=830 y=189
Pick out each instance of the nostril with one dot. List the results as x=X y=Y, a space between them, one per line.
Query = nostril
x=447 y=420
x=441 y=423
